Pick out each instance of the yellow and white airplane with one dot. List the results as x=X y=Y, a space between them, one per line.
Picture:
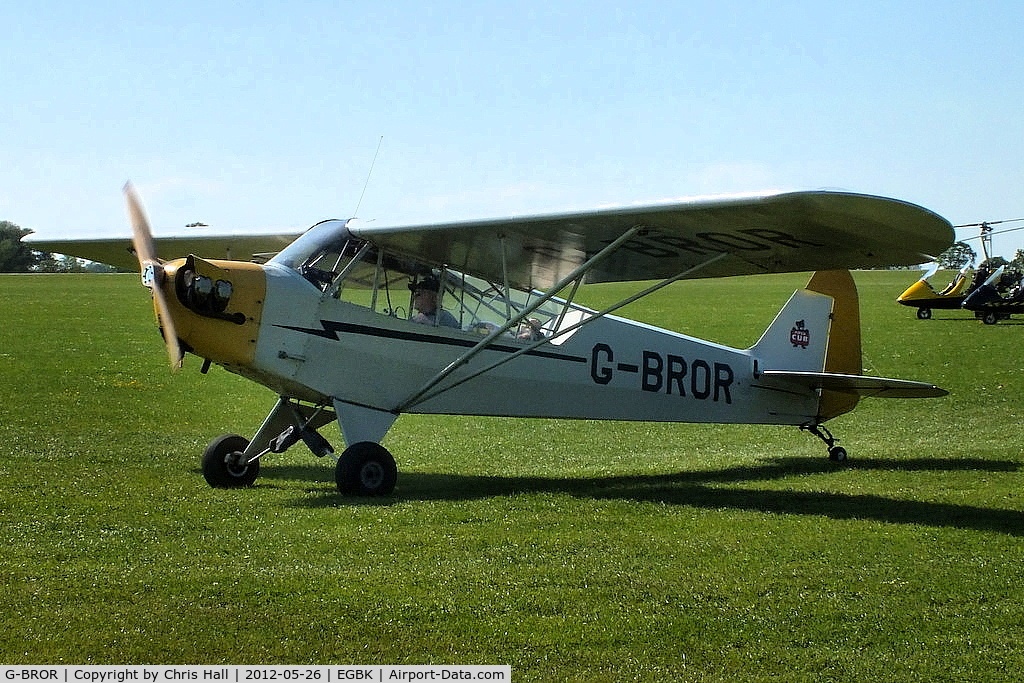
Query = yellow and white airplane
x=361 y=323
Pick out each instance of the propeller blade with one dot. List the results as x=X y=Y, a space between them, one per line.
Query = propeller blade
x=152 y=272
x=174 y=353
x=142 y=236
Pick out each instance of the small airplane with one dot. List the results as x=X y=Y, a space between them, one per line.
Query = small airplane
x=360 y=323
x=925 y=298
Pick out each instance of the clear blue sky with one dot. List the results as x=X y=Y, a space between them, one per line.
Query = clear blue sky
x=267 y=115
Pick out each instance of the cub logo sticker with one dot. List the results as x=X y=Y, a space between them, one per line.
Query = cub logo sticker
x=800 y=335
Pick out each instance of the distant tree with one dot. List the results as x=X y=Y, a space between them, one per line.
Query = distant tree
x=15 y=255
x=957 y=256
x=1018 y=260
x=94 y=267
x=993 y=263
x=48 y=263
x=59 y=263
x=68 y=264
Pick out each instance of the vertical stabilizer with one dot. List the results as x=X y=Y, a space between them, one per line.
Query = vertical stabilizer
x=797 y=340
x=817 y=331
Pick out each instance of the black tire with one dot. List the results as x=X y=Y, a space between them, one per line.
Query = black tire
x=990 y=318
x=366 y=469
x=924 y=314
x=837 y=454
x=221 y=468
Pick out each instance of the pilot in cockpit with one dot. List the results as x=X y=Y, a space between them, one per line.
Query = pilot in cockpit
x=425 y=299
x=530 y=330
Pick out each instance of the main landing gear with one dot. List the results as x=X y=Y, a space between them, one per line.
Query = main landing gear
x=225 y=465
x=835 y=453
x=363 y=469
x=366 y=469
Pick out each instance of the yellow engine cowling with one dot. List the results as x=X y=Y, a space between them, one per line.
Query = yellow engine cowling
x=219 y=321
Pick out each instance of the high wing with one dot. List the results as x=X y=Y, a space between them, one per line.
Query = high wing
x=716 y=237
x=118 y=251
x=705 y=237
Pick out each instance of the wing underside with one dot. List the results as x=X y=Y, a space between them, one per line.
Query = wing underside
x=717 y=237
x=118 y=251
x=746 y=235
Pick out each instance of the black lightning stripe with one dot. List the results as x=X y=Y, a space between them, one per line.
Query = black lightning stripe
x=330 y=330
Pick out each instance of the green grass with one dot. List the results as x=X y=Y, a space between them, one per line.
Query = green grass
x=574 y=551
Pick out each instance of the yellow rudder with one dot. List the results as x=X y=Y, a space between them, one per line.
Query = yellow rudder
x=843 y=355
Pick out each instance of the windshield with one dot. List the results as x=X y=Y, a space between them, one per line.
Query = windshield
x=318 y=254
x=312 y=245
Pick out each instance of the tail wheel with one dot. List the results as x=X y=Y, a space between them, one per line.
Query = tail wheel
x=837 y=454
x=224 y=466
x=366 y=469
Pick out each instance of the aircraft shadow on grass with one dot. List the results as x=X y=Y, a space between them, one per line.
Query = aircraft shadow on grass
x=709 y=490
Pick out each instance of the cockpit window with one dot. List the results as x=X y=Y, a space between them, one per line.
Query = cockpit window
x=394 y=286
x=356 y=271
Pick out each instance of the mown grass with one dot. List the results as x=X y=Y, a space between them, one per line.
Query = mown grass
x=574 y=551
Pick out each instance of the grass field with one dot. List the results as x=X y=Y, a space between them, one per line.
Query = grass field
x=574 y=551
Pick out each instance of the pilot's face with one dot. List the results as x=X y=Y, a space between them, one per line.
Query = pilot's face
x=424 y=300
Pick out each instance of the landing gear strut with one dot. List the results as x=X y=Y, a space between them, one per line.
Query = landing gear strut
x=835 y=453
x=365 y=468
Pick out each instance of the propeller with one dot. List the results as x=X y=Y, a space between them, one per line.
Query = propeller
x=152 y=271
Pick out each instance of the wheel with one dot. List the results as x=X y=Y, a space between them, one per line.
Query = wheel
x=221 y=463
x=990 y=318
x=366 y=469
x=924 y=314
x=837 y=454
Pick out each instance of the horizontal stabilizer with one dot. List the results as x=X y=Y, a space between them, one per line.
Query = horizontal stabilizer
x=860 y=385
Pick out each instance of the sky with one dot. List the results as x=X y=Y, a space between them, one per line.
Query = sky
x=269 y=115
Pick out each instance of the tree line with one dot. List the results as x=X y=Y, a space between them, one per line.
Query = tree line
x=961 y=255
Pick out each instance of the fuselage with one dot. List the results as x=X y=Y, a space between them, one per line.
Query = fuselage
x=284 y=332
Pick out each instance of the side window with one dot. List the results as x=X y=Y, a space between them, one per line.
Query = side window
x=486 y=307
x=399 y=288
x=375 y=280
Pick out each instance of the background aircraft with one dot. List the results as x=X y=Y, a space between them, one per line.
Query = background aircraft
x=925 y=298
x=996 y=302
x=329 y=322
x=991 y=306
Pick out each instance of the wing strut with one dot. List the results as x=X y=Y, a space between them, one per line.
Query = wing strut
x=426 y=393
